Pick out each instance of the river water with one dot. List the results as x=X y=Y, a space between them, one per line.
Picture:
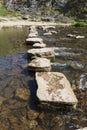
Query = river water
x=16 y=112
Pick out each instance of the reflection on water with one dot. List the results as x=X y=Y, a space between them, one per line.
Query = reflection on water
x=11 y=40
x=18 y=103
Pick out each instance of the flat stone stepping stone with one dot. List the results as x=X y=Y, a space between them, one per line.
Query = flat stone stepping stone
x=54 y=87
x=39 y=64
x=39 y=45
x=33 y=35
x=42 y=52
x=33 y=40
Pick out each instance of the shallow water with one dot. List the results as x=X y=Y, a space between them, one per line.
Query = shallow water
x=71 y=59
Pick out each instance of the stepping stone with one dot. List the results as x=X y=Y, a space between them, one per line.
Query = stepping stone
x=31 y=41
x=47 y=33
x=42 y=52
x=53 y=87
x=33 y=35
x=75 y=36
x=39 y=64
x=48 y=27
x=39 y=45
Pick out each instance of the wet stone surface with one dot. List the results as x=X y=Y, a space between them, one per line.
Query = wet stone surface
x=54 y=87
x=39 y=64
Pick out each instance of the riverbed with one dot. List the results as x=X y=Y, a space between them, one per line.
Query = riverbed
x=18 y=112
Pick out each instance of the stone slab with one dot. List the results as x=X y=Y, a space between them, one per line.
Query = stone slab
x=33 y=35
x=33 y=40
x=39 y=45
x=39 y=64
x=42 y=52
x=54 y=87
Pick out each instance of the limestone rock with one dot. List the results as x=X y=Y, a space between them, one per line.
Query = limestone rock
x=1 y=100
x=33 y=35
x=75 y=36
x=46 y=28
x=38 y=45
x=47 y=33
x=54 y=87
x=22 y=93
x=39 y=64
x=31 y=41
x=42 y=52
x=33 y=124
x=33 y=32
x=32 y=114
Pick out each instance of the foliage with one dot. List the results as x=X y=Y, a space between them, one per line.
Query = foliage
x=4 y=12
x=79 y=22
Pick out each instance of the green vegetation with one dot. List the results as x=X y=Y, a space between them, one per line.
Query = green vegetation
x=4 y=12
x=79 y=22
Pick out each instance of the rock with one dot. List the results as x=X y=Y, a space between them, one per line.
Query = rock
x=33 y=35
x=33 y=32
x=32 y=114
x=47 y=19
x=50 y=33
x=54 y=32
x=1 y=100
x=39 y=64
x=72 y=36
x=80 y=37
x=33 y=124
x=22 y=93
x=25 y=17
x=31 y=41
x=75 y=36
x=42 y=52
x=82 y=128
x=47 y=33
x=48 y=28
x=38 y=45
x=54 y=87
x=63 y=19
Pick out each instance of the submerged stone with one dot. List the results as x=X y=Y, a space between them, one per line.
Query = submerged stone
x=54 y=87
x=33 y=124
x=42 y=52
x=32 y=114
x=22 y=93
x=2 y=99
x=33 y=40
x=40 y=64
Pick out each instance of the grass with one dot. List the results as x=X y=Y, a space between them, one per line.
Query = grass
x=79 y=22
x=5 y=12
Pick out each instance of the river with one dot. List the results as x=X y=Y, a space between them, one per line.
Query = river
x=71 y=59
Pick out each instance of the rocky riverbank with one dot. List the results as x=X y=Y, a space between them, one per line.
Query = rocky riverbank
x=18 y=21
